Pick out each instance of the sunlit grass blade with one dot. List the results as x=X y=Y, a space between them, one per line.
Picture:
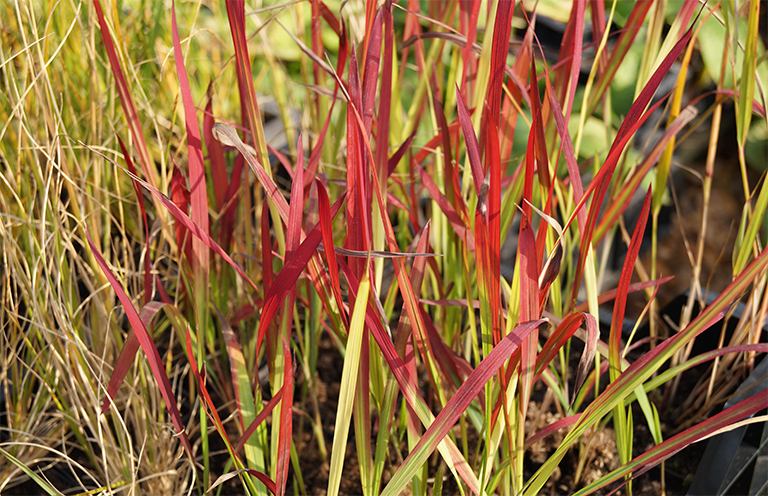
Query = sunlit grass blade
x=348 y=384
x=407 y=383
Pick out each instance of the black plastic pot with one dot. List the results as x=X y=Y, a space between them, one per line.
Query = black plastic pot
x=736 y=462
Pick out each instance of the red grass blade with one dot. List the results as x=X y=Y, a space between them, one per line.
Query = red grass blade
x=529 y=308
x=633 y=116
x=198 y=193
x=248 y=101
x=539 y=139
x=462 y=231
x=260 y=417
x=155 y=362
x=500 y=45
x=491 y=268
x=330 y=19
x=574 y=174
x=126 y=100
x=264 y=478
x=597 y=11
x=557 y=340
x=296 y=207
x=385 y=97
x=371 y=69
x=620 y=305
x=470 y=11
x=324 y=211
x=572 y=47
x=395 y=159
x=286 y=421
x=470 y=141
x=286 y=279
x=458 y=404
x=142 y=207
x=180 y=198
x=359 y=233
x=128 y=353
x=215 y=154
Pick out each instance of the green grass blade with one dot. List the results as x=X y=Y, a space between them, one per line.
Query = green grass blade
x=32 y=475
x=347 y=389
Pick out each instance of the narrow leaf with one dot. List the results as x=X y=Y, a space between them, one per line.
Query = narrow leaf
x=155 y=362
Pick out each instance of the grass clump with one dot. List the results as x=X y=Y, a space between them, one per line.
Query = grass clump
x=233 y=235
